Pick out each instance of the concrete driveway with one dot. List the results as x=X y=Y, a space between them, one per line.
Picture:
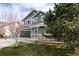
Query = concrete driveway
x=8 y=42
x=5 y=43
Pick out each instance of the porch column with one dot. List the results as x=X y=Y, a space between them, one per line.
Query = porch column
x=31 y=32
x=37 y=33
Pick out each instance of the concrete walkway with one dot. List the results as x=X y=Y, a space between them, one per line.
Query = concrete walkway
x=8 y=42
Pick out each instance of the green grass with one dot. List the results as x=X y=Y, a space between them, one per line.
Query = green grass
x=34 y=50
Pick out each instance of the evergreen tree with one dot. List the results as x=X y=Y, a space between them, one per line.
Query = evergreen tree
x=63 y=23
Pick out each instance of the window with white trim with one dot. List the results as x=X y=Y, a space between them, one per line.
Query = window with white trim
x=42 y=18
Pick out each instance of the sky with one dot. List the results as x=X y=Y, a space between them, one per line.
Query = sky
x=22 y=9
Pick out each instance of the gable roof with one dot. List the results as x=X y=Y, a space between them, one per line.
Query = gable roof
x=37 y=12
x=29 y=14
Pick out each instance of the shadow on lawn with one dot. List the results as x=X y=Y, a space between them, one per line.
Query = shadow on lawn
x=35 y=50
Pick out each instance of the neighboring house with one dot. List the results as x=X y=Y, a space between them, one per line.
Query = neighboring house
x=1 y=29
x=34 y=25
x=7 y=29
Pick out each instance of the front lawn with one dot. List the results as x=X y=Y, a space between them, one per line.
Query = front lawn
x=34 y=50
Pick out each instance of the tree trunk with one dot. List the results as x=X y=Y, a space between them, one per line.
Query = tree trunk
x=16 y=42
x=17 y=38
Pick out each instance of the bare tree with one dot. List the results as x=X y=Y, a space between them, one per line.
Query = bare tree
x=18 y=29
x=15 y=30
x=13 y=23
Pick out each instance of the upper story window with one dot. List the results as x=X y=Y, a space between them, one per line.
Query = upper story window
x=36 y=19
x=42 y=18
x=39 y=18
x=33 y=20
x=29 y=22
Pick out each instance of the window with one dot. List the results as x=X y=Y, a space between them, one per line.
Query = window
x=36 y=19
x=42 y=18
x=39 y=18
x=29 y=22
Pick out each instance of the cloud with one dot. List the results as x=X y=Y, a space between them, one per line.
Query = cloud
x=25 y=8
x=6 y=5
x=29 y=6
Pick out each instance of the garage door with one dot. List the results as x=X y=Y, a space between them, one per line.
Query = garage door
x=26 y=34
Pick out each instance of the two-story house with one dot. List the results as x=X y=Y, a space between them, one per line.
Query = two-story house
x=34 y=25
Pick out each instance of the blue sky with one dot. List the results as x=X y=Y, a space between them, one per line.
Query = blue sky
x=24 y=8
